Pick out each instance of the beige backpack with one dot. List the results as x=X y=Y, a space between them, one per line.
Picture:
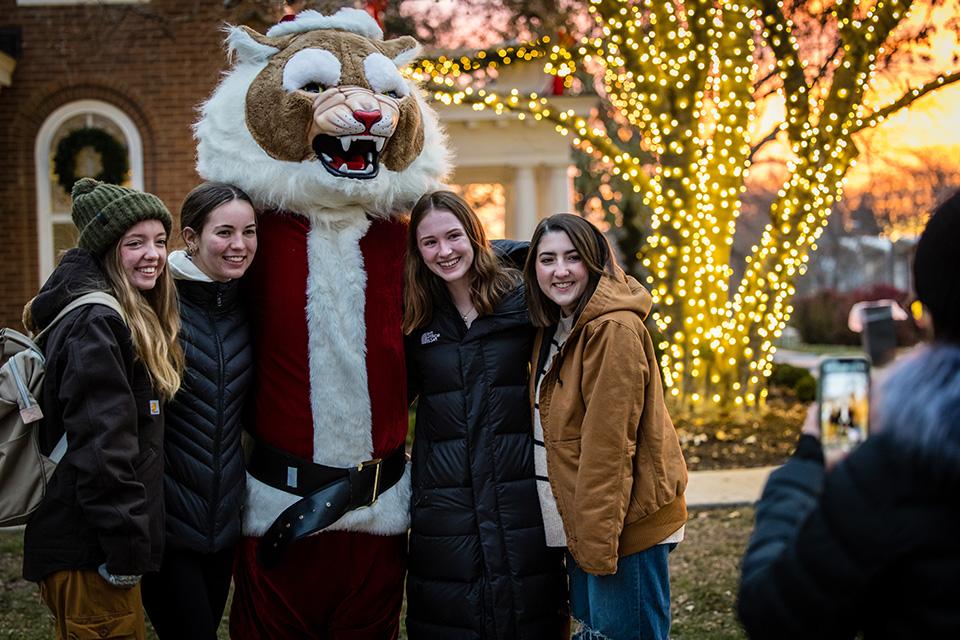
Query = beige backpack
x=24 y=470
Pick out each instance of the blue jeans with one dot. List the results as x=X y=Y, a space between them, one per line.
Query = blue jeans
x=632 y=604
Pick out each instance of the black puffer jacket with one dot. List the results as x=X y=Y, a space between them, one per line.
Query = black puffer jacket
x=204 y=475
x=104 y=502
x=479 y=565
x=870 y=546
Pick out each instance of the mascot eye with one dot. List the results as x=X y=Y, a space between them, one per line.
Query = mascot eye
x=384 y=77
x=311 y=70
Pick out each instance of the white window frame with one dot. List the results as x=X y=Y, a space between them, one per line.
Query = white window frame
x=46 y=218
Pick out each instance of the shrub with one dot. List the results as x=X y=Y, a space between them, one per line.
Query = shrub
x=797 y=379
x=806 y=389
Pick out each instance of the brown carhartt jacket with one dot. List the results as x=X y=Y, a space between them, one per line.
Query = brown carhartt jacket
x=613 y=455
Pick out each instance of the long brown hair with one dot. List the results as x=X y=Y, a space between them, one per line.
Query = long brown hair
x=489 y=281
x=154 y=321
x=594 y=250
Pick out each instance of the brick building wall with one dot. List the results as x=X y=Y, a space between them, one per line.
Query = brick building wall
x=155 y=61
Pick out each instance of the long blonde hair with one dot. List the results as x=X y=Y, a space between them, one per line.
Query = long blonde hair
x=489 y=281
x=153 y=317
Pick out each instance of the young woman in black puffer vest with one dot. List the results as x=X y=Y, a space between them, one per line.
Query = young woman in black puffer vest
x=204 y=471
x=479 y=563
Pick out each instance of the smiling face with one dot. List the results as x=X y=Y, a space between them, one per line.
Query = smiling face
x=143 y=253
x=445 y=247
x=561 y=272
x=225 y=246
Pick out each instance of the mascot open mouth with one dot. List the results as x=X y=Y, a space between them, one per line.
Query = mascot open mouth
x=349 y=156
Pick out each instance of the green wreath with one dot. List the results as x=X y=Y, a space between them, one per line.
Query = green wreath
x=113 y=157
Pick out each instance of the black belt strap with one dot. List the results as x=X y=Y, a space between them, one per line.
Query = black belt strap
x=327 y=493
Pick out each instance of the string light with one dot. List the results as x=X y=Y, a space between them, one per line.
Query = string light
x=682 y=75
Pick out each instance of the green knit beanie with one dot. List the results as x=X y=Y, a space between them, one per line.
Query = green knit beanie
x=104 y=212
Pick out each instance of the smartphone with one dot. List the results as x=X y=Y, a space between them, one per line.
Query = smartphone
x=843 y=393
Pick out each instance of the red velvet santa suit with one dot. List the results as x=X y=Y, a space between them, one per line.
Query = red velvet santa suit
x=304 y=341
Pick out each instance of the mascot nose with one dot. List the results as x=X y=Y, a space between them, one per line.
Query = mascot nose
x=368 y=118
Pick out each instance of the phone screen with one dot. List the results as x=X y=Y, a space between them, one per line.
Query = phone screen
x=844 y=402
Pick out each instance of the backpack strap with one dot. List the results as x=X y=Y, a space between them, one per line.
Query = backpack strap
x=94 y=297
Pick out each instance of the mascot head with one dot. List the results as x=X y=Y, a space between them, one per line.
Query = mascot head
x=316 y=116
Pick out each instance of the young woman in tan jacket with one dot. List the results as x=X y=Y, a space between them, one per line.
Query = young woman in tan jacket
x=610 y=472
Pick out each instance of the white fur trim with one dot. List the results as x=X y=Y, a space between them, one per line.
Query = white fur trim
x=389 y=516
x=183 y=268
x=311 y=65
x=383 y=75
x=227 y=152
x=245 y=48
x=347 y=19
x=339 y=396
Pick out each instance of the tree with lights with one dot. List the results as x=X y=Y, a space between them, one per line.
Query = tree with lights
x=685 y=75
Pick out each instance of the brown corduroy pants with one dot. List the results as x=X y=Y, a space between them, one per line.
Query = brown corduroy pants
x=86 y=606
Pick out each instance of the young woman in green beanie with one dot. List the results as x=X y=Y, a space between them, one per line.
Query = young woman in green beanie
x=108 y=374
x=204 y=476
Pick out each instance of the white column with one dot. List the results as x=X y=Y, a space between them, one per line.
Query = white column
x=524 y=204
x=559 y=191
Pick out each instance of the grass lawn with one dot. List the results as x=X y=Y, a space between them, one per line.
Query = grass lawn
x=704 y=570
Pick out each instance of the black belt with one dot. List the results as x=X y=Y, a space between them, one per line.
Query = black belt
x=327 y=493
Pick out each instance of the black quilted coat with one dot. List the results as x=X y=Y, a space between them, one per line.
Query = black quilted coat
x=479 y=566
x=204 y=472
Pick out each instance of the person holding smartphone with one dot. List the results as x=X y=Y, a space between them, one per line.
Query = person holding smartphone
x=869 y=545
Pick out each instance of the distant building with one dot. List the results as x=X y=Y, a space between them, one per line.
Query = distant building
x=858 y=258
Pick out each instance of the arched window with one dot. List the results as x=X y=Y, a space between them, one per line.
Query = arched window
x=112 y=130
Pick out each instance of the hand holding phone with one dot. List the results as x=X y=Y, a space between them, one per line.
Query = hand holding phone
x=843 y=394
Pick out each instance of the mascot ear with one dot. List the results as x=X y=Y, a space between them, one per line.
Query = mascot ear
x=402 y=50
x=248 y=45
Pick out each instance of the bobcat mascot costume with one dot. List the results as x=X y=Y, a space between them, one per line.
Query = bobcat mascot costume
x=316 y=123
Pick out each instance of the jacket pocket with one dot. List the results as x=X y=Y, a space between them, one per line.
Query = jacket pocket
x=142 y=461
x=644 y=493
x=115 y=626
x=563 y=467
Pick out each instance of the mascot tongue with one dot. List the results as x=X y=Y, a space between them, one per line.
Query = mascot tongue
x=354 y=163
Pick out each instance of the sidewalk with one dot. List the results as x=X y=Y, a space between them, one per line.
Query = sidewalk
x=728 y=487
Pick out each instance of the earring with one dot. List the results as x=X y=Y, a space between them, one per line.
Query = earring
x=191 y=250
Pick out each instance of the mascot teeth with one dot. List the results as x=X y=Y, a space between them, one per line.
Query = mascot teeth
x=349 y=156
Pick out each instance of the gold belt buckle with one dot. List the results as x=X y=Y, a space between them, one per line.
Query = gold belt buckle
x=376 y=479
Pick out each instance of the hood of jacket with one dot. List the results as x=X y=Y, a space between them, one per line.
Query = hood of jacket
x=78 y=272
x=920 y=400
x=616 y=292
x=182 y=267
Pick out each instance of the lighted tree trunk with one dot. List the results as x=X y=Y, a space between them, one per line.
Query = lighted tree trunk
x=683 y=75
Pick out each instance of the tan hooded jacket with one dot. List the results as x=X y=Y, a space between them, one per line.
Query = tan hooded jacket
x=613 y=455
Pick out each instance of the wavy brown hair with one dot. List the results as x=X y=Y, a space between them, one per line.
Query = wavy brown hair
x=423 y=289
x=153 y=318
x=594 y=250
